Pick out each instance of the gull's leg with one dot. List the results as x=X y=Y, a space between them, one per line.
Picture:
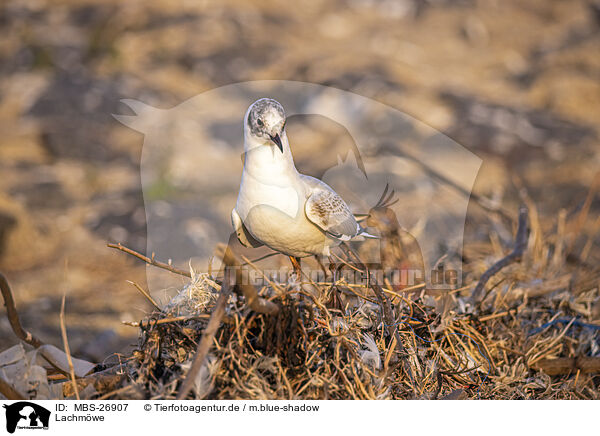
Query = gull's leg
x=296 y=264
x=321 y=265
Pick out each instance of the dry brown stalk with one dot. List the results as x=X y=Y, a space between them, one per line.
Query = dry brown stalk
x=577 y=223
x=513 y=256
x=267 y=279
x=169 y=320
x=63 y=330
x=13 y=315
x=253 y=300
x=146 y=294
x=150 y=261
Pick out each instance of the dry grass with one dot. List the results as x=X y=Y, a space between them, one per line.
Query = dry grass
x=532 y=333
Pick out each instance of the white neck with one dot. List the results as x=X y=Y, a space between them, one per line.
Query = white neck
x=264 y=160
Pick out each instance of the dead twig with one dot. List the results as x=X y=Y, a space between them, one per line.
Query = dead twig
x=146 y=294
x=581 y=217
x=253 y=300
x=173 y=319
x=513 y=256
x=63 y=330
x=150 y=261
x=13 y=315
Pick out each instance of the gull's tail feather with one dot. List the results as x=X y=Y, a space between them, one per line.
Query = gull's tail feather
x=368 y=235
x=363 y=234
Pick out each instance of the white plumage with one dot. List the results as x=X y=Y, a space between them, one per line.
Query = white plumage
x=277 y=206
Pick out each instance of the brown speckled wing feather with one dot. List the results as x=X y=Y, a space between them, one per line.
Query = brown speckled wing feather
x=327 y=210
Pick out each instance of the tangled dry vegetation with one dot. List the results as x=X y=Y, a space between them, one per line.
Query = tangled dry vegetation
x=524 y=326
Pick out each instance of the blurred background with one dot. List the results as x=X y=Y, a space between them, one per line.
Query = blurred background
x=517 y=83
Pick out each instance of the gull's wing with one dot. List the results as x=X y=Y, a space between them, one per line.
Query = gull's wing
x=329 y=212
x=243 y=235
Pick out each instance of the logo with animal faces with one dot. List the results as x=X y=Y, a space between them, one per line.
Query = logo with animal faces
x=404 y=181
x=24 y=415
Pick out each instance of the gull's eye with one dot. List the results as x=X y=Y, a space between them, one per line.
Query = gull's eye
x=259 y=122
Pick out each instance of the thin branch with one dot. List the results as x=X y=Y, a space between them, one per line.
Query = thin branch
x=514 y=256
x=173 y=319
x=150 y=261
x=13 y=315
x=266 y=256
x=146 y=294
x=253 y=300
x=251 y=264
x=63 y=330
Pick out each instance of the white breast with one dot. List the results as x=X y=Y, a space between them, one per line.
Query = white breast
x=255 y=192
